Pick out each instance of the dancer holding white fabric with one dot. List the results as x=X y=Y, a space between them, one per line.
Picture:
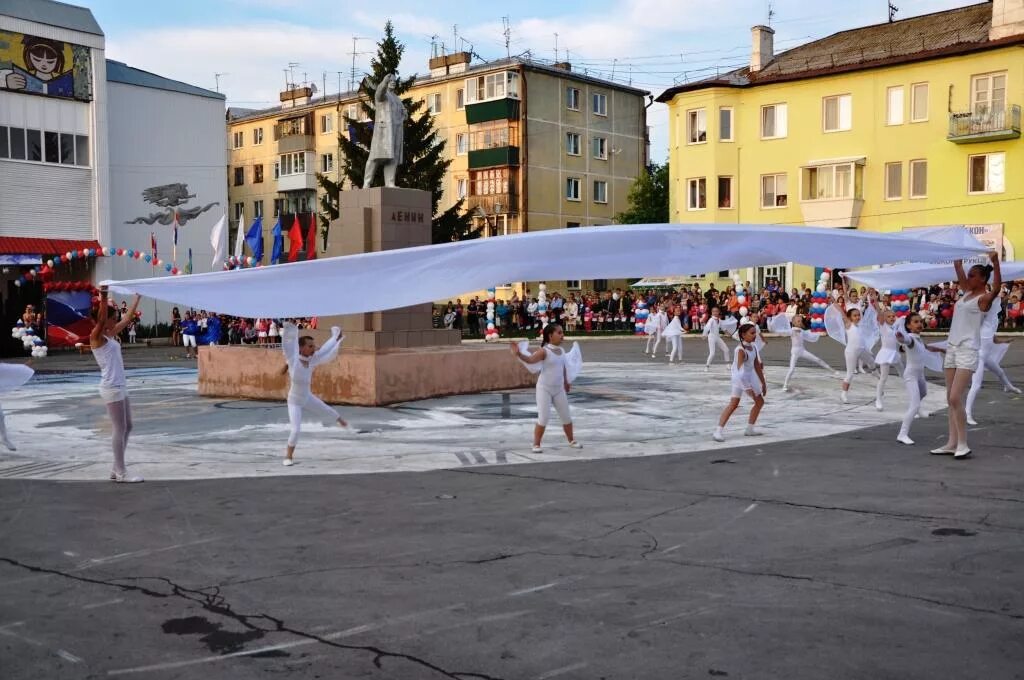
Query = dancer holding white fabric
x=301 y=357
x=747 y=378
x=992 y=352
x=780 y=323
x=964 y=345
x=844 y=326
x=557 y=369
x=888 y=354
x=918 y=358
x=712 y=330
x=113 y=383
x=11 y=376
x=674 y=336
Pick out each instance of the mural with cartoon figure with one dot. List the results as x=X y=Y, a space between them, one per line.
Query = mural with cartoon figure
x=42 y=66
x=170 y=197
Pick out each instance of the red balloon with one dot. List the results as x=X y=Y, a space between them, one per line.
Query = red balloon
x=120 y=251
x=174 y=271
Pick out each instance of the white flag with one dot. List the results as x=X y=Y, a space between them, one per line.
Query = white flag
x=219 y=241
x=240 y=238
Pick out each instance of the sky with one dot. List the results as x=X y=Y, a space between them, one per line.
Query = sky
x=651 y=44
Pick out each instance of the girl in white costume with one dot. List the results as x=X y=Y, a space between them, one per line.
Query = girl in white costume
x=992 y=352
x=674 y=335
x=850 y=328
x=918 y=358
x=113 y=384
x=780 y=323
x=963 y=347
x=759 y=343
x=557 y=369
x=888 y=354
x=11 y=376
x=654 y=328
x=711 y=331
x=301 y=357
x=747 y=378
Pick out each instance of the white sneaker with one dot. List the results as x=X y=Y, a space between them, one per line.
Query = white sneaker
x=125 y=478
x=752 y=432
x=575 y=444
x=718 y=435
x=878 y=406
x=536 y=449
x=904 y=439
x=971 y=420
x=287 y=462
x=843 y=398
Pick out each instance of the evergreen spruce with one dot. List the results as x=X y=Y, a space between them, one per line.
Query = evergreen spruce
x=648 y=198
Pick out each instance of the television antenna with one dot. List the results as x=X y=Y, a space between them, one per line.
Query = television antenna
x=216 y=77
x=892 y=12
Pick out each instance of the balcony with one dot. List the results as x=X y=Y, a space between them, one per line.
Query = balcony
x=493 y=204
x=301 y=181
x=499 y=155
x=971 y=127
x=292 y=143
x=494 y=109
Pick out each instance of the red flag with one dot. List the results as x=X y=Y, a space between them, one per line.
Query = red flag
x=311 y=238
x=294 y=240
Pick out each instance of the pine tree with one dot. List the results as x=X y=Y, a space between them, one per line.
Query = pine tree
x=424 y=166
x=648 y=198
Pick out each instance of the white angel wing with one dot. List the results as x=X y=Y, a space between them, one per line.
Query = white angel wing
x=729 y=325
x=869 y=330
x=524 y=348
x=933 y=361
x=573 y=362
x=810 y=337
x=16 y=375
x=835 y=326
x=779 y=323
x=990 y=323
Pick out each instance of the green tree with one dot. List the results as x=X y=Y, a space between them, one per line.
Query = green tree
x=424 y=166
x=648 y=198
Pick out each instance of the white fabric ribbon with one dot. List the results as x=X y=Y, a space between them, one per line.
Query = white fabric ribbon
x=919 y=274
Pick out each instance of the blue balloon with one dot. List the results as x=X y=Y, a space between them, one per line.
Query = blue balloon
x=167 y=266
x=148 y=257
x=56 y=259
x=130 y=253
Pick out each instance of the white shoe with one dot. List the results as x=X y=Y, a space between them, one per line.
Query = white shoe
x=575 y=444
x=878 y=406
x=785 y=388
x=1012 y=388
x=838 y=375
x=904 y=439
x=536 y=449
x=751 y=432
x=971 y=420
x=962 y=453
x=717 y=435
x=707 y=369
x=287 y=462
x=922 y=414
x=125 y=478
x=843 y=398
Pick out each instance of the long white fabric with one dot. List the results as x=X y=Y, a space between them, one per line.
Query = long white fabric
x=918 y=274
x=219 y=241
x=14 y=375
x=408 y=276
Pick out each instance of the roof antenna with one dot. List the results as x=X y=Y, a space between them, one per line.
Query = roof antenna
x=892 y=12
x=507 y=32
x=771 y=12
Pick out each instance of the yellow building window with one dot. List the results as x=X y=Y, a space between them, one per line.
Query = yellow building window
x=987 y=173
x=919 y=178
x=725 y=123
x=696 y=126
x=774 y=121
x=837 y=113
x=894 y=106
x=831 y=182
x=893 y=181
x=696 y=193
x=725 y=201
x=774 y=191
x=988 y=93
x=918 y=102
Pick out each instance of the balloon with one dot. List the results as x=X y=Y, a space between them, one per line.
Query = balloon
x=821 y=287
x=130 y=252
x=174 y=270
x=744 y=311
x=147 y=257
x=167 y=266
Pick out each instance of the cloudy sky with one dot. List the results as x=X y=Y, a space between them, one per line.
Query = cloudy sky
x=651 y=43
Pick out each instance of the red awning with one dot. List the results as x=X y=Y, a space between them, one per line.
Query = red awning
x=16 y=245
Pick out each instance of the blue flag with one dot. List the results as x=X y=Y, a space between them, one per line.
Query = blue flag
x=278 y=248
x=254 y=239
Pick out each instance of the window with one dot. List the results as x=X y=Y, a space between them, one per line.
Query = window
x=601 y=104
x=774 y=123
x=572 y=143
x=837 y=113
x=492 y=86
x=696 y=127
x=326 y=123
x=893 y=181
x=44 y=146
x=67 y=149
x=725 y=124
x=34 y=140
x=600 y=145
x=831 y=182
x=894 y=106
x=572 y=98
x=239 y=209
x=239 y=176
x=257 y=209
x=81 y=150
x=774 y=193
x=352 y=111
x=257 y=173
x=239 y=139
x=493 y=135
x=434 y=102
x=257 y=136
x=461 y=188
x=491 y=182
x=918 y=102
x=572 y=188
x=988 y=173
x=725 y=192
x=460 y=99
x=52 y=147
x=988 y=93
x=696 y=193
x=572 y=284
x=278 y=206
x=293 y=163
x=918 y=178
x=600 y=191
x=18 y=144
x=327 y=162
x=277 y=169
x=5 y=149
x=461 y=143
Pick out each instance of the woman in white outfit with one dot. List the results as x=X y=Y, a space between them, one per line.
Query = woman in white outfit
x=913 y=374
x=674 y=336
x=888 y=354
x=301 y=357
x=964 y=345
x=798 y=336
x=992 y=352
x=747 y=378
x=554 y=382
x=113 y=383
x=711 y=331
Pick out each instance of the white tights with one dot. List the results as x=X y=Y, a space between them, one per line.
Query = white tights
x=3 y=431
x=917 y=388
x=716 y=342
x=795 y=356
x=883 y=377
x=675 y=344
x=120 y=413
x=979 y=377
x=656 y=338
x=852 y=358
x=312 y=403
x=546 y=398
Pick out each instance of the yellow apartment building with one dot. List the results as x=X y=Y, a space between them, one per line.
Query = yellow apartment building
x=532 y=146
x=886 y=128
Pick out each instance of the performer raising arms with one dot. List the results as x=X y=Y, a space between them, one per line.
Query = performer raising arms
x=302 y=356
x=747 y=378
x=113 y=384
x=964 y=346
x=557 y=369
x=856 y=331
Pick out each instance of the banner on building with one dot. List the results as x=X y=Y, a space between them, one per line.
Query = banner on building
x=42 y=66
x=990 y=235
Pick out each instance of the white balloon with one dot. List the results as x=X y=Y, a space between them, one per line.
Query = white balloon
x=821 y=287
x=743 y=311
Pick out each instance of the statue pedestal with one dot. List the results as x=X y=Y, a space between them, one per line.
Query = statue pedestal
x=388 y=357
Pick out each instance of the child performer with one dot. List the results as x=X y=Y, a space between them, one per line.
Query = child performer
x=888 y=354
x=113 y=384
x=711 y=331
x=759 y=342
x=992 y=352
x=844 y=326
x=11 y=376
x=557 y=369
x=674 y=334
x=654 y=328
x=747 y=378
x=301 y=357
x=918 y=358
x=798 y=336
x=963 y=346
